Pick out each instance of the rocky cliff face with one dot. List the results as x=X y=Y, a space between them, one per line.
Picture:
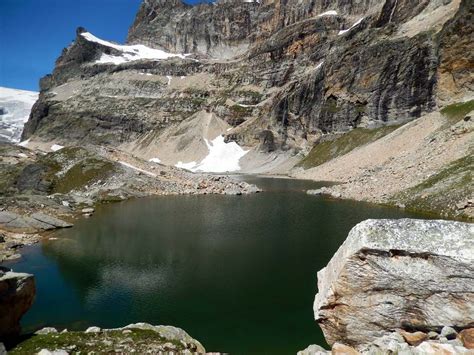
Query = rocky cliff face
x=280 y=73
x=17 y=292
x=389 y=275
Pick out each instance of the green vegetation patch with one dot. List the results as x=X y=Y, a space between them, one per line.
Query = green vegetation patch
x=83 y=173
x=139 y=340
x=241 y=111
x=458 y=110
x=442 y=191
x=343 y=144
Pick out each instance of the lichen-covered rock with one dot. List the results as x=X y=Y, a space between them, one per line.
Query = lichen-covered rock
x=141 y=338
x=397 y=274
x=17 y=292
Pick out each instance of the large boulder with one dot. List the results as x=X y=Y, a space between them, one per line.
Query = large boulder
x=397 y=274
x=17 y=293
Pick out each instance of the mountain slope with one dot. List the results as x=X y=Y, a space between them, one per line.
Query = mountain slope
x=282 y=76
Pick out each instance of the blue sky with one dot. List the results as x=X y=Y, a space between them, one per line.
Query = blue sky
x=34 y=32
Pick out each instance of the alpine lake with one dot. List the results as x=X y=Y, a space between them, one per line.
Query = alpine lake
x=238 y=273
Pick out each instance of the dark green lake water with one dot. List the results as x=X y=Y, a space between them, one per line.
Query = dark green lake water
x=238 y=273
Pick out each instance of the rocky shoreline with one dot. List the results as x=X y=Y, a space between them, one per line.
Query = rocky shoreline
x=41 y=191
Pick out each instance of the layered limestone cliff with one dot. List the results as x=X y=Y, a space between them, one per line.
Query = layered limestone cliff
x=261 y=83
x=280 y=73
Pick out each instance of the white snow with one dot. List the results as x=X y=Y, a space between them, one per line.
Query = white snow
x=244 y=105
x=56 y=147
x=15 y=108
x=130 y=52
x=328 y=13
x=223 y=157
x=341 y=32
x=149 y=173
x=24 y=143
x=187 y=166
x=169 y=79
x=155 y=160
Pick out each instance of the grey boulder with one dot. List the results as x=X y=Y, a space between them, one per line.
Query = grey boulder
x=17 y=293
x=397 y=274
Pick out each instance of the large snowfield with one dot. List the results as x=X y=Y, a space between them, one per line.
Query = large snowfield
x=129 y=53
x=223 y=157
x=15 y=108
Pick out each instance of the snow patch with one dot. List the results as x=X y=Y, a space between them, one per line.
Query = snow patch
x=56 y=147
x=129 y=52
x=328 y=13
x=24 y=143
x=155 y=160
x=149 y=173
x=341 y=32
x=187 y=166
x=223 y=157
x=15 y=108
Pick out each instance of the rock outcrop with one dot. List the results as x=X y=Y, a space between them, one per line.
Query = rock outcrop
x=141 y=338
x=17 y=293
x=389 y=275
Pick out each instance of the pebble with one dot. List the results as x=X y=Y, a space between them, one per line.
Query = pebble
x=449 y=333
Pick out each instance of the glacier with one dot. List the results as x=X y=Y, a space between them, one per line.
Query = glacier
x=15 y=108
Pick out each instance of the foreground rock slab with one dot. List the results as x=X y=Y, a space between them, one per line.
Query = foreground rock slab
x=141 y=338
x=17 y=293
x=405 y=274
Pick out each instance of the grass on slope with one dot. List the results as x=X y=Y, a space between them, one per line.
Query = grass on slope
x=141 y=341
x=458 y=110
x=441 y=191
x=328 y=150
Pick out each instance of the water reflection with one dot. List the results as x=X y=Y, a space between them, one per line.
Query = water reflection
x=238 y=273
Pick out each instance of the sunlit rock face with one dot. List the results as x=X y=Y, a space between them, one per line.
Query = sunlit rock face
x=281 y=74
x=397 y=274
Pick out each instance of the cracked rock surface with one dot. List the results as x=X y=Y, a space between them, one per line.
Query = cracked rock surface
x=397 y=274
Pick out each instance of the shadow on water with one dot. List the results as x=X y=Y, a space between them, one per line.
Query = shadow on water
x=236 y=272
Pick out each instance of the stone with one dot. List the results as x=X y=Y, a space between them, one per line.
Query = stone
x=413 y=338
x=88 y=210
x=467 y=337
x=3 y=351
x=397 y=274
x=314 y=350
x=448 y=332
x=392 y=342
x=47 y=330
x=55 y=222
x=429 y=347
x=315 y=192
x=17 y=293
x=53 y=352
x=341 y=349
x=169 y=333
x=93 y=330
